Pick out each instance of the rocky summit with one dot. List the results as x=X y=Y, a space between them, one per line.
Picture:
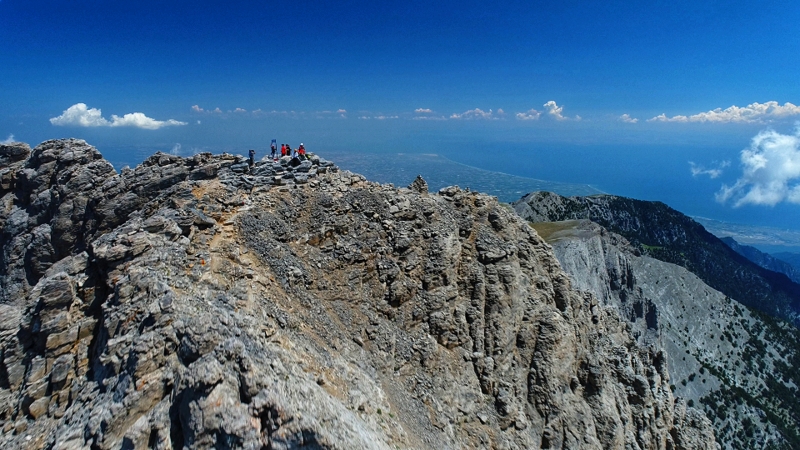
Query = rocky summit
x=203 y=303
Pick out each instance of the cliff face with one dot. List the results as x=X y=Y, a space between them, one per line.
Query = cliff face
x=670 y=236
x=734 y=364
x=194 y=303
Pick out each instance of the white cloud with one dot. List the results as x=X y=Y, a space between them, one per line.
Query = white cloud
x=240 y=110
x=8 y=140
x=197 y=108
x=627 y=119
x=770 y=171
x=176 y=149
x=554 y=110
x=423 y=111
x=80 y=115
x=378 y=117
x=339 y=113
x=663 y=118
x=752 y=113
x=531 y=114
x=139 y=120
x=217 y=110
x=476 y=113
x=714 y=172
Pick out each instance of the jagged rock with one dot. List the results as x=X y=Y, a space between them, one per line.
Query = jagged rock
x=186 y=304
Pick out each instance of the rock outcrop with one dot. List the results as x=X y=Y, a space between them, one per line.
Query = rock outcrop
x=733 y=364
x=200 y=303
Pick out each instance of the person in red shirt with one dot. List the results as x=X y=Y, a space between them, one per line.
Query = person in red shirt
x=283 y=149
x=301 y=151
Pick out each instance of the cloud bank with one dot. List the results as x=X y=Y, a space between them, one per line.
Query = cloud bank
x=8 y=140
x=752 y=113
x=478 y=113
x=82 y=116
x=627 y=119
x=770 y=171
x=530 y=114
x=551 y=109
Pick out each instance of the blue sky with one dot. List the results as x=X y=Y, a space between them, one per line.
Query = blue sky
x=407 y=76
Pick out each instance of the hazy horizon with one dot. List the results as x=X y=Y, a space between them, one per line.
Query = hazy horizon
x=690 y=103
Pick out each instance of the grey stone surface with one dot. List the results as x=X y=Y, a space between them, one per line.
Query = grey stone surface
x=188 y=305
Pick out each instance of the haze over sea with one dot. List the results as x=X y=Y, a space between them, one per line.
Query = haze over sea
x=658 y=172
x=691 y=102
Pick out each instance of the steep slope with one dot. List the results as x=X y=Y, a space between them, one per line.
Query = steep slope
x=792 y=258
x=195 y=303
x=671 y=236
x=764 y=260
x=735 y=363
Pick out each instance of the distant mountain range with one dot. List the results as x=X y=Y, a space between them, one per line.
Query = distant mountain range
x=764 y=260
x=768 y=239
x=791 y=258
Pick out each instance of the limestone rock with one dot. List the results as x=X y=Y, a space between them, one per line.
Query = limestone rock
x=192 y=303
x=709 y=342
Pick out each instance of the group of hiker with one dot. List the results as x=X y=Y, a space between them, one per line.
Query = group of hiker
x=286 y=150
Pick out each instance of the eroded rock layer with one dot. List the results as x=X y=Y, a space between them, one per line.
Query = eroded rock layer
x=198 y=303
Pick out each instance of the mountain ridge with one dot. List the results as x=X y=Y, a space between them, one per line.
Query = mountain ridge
x=671 y=236
x=764 y=260
x=200 y=302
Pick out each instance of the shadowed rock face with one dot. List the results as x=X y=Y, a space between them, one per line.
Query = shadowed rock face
x=198 y=303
